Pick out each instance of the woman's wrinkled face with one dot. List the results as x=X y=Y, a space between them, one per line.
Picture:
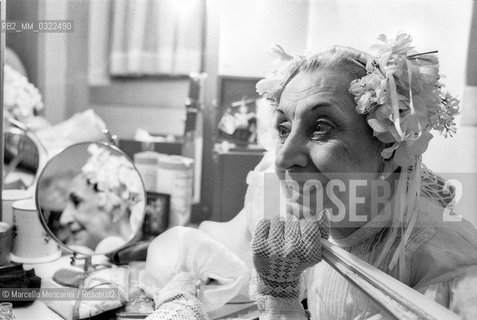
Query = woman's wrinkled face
x=87 y=220
x=322 y=138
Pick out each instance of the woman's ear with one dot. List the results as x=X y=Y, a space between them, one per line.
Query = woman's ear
x=389 y=167
x=386 y=168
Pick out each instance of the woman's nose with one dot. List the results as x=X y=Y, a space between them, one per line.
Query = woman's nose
x=293 y=153
x=67 y=216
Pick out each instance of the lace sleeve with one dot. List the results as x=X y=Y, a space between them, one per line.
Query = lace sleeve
x=458 y=295
x=272 y=308
x=179 y=306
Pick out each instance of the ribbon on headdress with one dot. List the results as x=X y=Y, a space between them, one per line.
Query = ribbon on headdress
x=395 y=105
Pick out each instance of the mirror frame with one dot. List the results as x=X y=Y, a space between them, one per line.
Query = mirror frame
x=2 y=65
x=135 y=235
x=19 y=129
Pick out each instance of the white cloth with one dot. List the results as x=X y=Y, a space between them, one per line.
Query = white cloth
x=81 y=127
x=183 y=249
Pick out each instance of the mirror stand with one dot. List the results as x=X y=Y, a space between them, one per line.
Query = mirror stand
x=70 y=277
x=91 y=201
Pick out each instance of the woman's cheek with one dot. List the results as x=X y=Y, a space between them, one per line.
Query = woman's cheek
x=103 y=218
x=84 y=218
x=330 y=157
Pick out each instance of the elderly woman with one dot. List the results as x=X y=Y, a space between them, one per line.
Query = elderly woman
x=102 y=201
x=351 y=129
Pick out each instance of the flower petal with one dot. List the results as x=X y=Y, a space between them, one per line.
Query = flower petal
x=378 y=126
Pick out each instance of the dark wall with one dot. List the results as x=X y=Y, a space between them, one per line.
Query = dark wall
x=25 y=44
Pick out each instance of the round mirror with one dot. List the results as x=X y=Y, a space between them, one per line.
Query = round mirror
x=23 y=159
x=91 y=198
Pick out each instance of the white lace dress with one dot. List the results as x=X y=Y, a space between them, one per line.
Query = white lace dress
x=441 y=262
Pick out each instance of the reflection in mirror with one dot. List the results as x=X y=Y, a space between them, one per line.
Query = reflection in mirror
x=91 y=198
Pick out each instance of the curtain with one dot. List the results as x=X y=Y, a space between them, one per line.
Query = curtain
x=152 y=37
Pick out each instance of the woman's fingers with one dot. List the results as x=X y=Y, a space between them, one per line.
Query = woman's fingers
x=259 y=242
x=292 y=236
x=277 y=237
x=324 y=222
x=310 y=247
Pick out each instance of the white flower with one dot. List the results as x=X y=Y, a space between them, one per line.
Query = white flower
x=130 y=180
x=403 y=99
x=407 y=151
x=112 y=175
x=21 y=98
x=271 y=86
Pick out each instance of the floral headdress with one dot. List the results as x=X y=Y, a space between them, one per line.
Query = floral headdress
x=113 y=177
x=403 y=99
x=401 y=96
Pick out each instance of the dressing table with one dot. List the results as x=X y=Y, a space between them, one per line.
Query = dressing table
x=89 y=160
x=90 y=200
x=242 y=311
x=38 y=308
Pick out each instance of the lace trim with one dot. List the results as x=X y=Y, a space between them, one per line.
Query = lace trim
x=176 y=297
x=279 y=305
x=177 y=305
x=433 y=187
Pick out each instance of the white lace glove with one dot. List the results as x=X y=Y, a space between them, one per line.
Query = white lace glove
x=178 y=300
x=282 y=250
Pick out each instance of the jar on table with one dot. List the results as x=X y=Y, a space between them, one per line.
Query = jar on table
x=147 y=164
x=175 y=177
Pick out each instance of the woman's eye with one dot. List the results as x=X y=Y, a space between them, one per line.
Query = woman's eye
x=75 y=199
x=283 y=131
x=322 y=128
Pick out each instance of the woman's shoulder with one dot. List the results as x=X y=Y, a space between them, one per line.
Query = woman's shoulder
x=446 y=223
x=446 y=245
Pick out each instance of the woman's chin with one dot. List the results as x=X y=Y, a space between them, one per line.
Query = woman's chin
x=82 y=238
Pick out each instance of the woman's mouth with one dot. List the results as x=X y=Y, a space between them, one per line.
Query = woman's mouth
x=303 y=199
x=76 y=227
x=303 y=187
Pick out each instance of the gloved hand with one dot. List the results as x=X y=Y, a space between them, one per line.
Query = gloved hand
x=178 y=299
x=282 y=250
